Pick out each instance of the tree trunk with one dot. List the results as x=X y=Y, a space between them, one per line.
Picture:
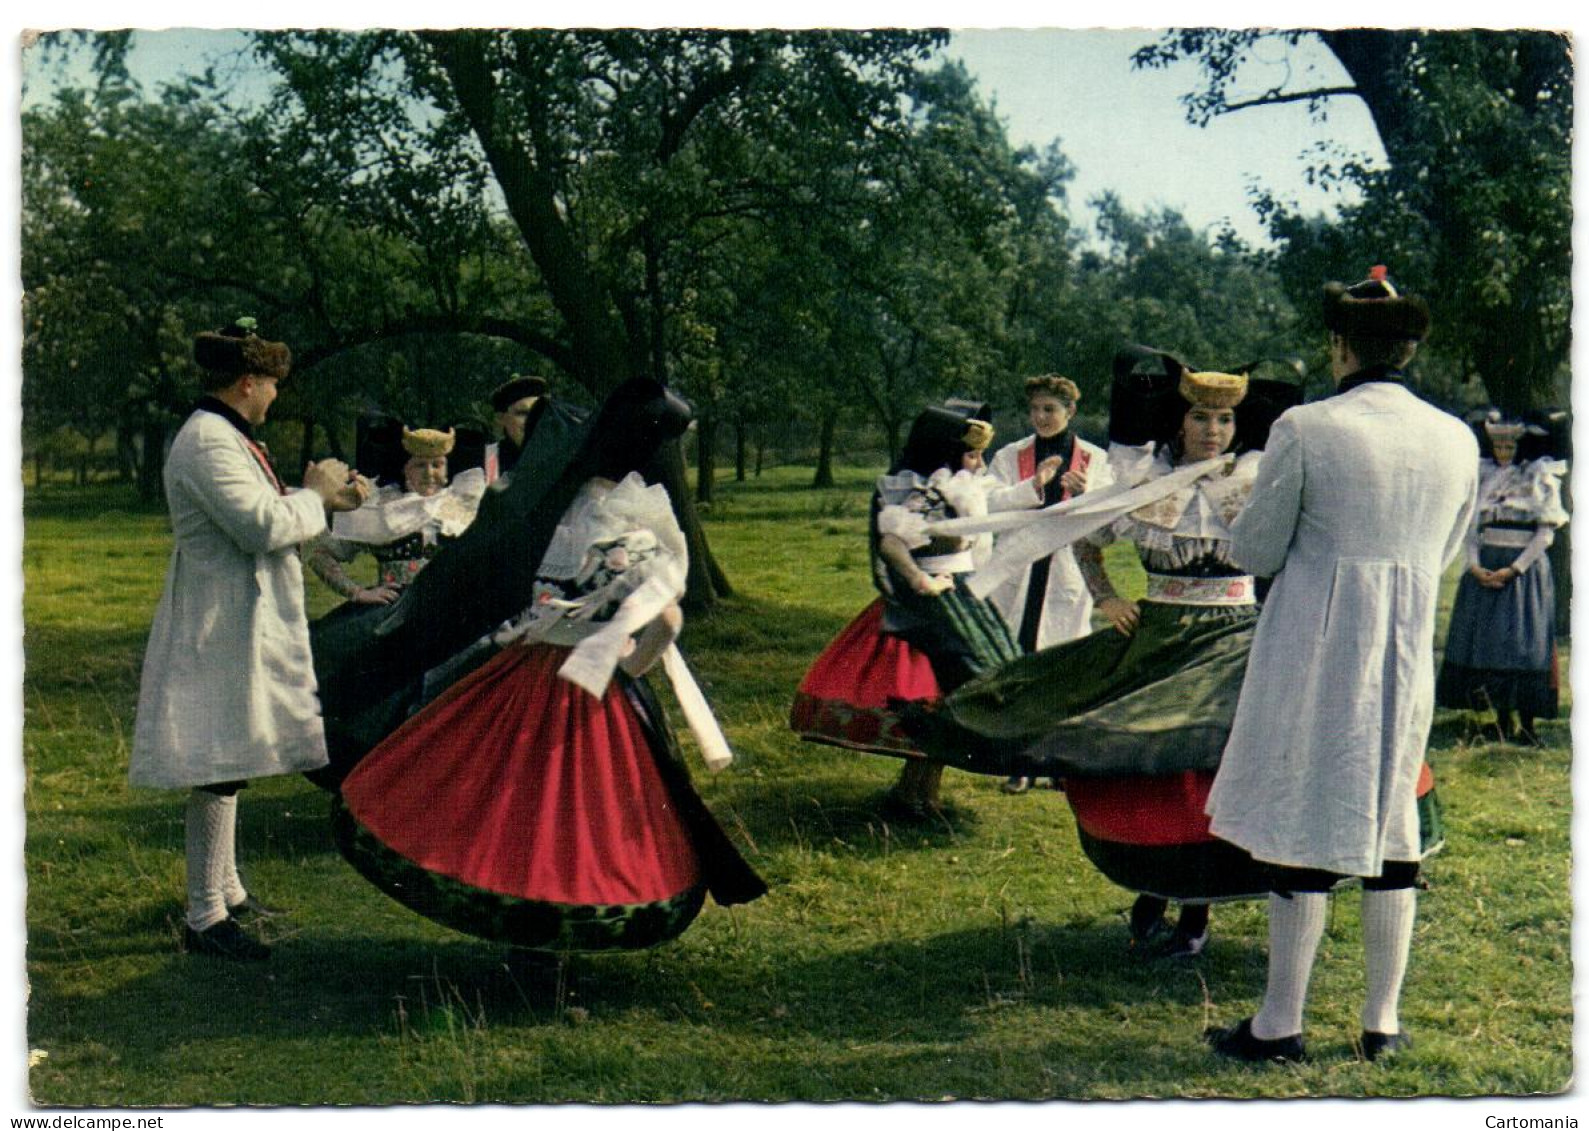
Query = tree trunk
x=761 y=451
x=741 y=444
x=306 y=444
x=151 y=485
x=830 y=424
x=126 y=456
x=706 y=582
x=705 y=458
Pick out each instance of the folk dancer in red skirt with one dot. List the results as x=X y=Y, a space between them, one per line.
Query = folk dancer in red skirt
x=926 y=633
x=541 y=800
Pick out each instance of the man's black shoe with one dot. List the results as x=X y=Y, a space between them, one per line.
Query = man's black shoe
x=252 y=908
x=1238 y=1043
x=1387 y=1045
x=224 y=940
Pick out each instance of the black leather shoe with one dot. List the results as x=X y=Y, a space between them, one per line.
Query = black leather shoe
x=1238 y=1043
x=252 y=908
x=224 y=940
x=1376 y=1045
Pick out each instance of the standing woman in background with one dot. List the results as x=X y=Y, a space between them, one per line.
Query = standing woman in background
x=1501 y=643
x=1050 y=604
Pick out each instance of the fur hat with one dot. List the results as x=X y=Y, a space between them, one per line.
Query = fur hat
x=1374 y=310
x=237 y=351
x=516 y=388
x=428 y=443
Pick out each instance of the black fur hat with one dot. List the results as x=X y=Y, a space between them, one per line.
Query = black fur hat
x=1374 y=310
x=238 y=351
x=516 y=388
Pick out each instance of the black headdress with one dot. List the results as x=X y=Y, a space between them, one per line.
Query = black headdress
x=1549 y=435
x=379 y=452
x=941 y=435
x=1146 y=404
x=516 y=388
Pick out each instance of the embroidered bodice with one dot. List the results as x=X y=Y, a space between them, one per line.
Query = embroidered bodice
x=1186 y=533
x=1519 y=508
x=907 y=501
x=402 y=529
x=1526 y=495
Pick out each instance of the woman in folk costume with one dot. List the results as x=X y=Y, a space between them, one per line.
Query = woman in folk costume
x=541 y=800
x=417 y=512
x=1134 y=717
x=1501 y=643
x=926 y=633
x=403 y=524
x=1124 y=715
x=1050 y=603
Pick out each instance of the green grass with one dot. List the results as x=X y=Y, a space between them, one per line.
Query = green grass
x=981 y=956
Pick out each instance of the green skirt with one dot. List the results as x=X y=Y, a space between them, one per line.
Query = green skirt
x=1108 y=705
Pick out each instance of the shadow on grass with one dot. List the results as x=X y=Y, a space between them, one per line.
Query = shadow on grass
x=930 y=990
x=280 y=824
x=780 y=814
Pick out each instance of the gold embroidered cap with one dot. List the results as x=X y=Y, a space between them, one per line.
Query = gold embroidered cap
x=979 y=434
x=1213 y=390
x=428 y=443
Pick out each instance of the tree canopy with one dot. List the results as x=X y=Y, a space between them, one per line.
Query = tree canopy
x=1475 y=208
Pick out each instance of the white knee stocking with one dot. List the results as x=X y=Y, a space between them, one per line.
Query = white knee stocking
x=232 y=889
x=1387 y=940
x=1296 y=923
x=210 y=823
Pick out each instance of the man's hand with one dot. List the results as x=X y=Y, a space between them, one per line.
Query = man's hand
x=338 y=487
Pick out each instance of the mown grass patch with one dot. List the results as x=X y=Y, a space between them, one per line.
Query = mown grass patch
x=977 y=956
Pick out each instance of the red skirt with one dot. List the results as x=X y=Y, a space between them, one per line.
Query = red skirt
x=844 y=699
x=1150 y=834
x=522 y=784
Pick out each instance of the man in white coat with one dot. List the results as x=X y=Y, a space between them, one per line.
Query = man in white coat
x=1360 y=502
x=228 y=690
x=1049 y=603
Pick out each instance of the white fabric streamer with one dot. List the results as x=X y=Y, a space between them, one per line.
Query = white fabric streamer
x=1030 y=535
x=697 y=711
